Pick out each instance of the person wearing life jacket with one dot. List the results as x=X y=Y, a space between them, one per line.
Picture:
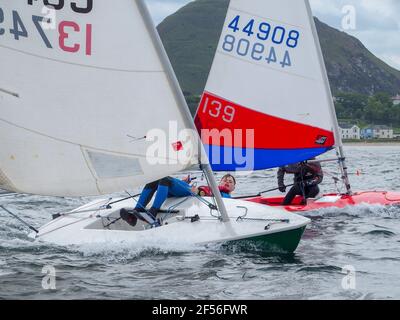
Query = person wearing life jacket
x=170 y=187
x=226 y=187
x=307 y=177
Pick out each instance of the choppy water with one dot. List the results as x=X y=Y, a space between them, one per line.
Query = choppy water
x=365 y=239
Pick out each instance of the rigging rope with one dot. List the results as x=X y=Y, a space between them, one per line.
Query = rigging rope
x=19 y=219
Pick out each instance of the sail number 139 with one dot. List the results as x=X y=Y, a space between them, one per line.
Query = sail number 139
x=216 y=109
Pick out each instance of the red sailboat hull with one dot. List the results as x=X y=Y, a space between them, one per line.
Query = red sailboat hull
x=334 y=200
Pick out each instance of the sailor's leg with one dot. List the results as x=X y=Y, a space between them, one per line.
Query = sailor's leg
x=293 y=192
x=140 y=210
x=179 y=188
x=162 y=194
x=146 y=196
x=312 y=192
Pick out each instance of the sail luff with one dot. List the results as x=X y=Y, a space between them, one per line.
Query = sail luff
x=181 y=103
x=332 y=110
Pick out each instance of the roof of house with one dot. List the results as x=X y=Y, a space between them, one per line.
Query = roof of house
x=397 y=97
x=346 y=125
x=381 y=127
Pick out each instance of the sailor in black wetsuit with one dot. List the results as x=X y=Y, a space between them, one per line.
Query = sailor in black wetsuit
x=307 y=177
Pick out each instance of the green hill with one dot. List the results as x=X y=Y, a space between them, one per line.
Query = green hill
x=191 y=36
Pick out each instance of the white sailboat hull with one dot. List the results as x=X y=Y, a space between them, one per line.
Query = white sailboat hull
x=263 y=225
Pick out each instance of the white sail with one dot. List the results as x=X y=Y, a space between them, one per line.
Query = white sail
x=79 y=96
x=268 y=76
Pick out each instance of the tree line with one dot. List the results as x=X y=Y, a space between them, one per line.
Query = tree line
x=376 y=109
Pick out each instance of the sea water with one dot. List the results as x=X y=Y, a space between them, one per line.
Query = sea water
x=351 y=253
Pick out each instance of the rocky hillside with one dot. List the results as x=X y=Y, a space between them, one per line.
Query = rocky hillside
x=191 y=35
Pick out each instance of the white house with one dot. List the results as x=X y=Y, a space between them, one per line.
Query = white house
x=396 y=100
x=349 y=131
x=382 y=132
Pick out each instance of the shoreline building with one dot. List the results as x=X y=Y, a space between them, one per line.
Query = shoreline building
x=377 y=132
x=349 y=131
x=396 y=100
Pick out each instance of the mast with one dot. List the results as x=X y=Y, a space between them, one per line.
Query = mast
x=338 y=137
x=183 y=108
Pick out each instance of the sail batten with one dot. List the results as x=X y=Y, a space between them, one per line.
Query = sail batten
x=267 y=67
x=82 y=65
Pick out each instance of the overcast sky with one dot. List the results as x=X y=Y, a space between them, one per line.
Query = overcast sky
x=375 y=22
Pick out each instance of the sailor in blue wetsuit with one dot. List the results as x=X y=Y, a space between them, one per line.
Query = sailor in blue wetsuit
x=170 y=187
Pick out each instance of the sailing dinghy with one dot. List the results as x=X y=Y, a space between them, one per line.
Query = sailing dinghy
x=269 y=75
x=83 y=99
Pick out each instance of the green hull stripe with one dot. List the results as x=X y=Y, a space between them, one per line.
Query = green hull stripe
x=286 y=241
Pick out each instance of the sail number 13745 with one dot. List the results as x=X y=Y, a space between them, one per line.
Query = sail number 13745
x=12 y=24
x=59 y=5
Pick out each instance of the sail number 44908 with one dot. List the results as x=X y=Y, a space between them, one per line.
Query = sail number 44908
x=265 y=31
x=259 y=41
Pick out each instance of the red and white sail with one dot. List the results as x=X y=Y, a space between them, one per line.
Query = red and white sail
x=268 y=88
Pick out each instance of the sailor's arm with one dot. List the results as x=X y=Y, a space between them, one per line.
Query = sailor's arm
x=318 y=174
x=281 y=177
